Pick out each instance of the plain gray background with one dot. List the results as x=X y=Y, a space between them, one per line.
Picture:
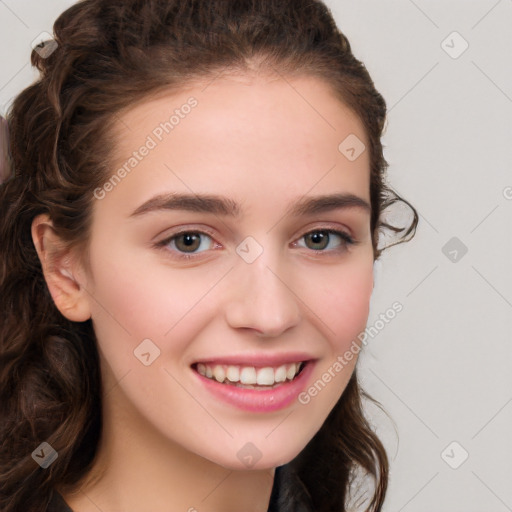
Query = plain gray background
x=441 y=367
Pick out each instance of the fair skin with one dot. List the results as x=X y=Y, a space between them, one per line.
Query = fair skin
x=168 y=442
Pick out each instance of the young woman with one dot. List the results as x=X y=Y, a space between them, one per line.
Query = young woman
x=187 y=240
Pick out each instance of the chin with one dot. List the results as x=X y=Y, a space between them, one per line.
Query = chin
x=250 y=458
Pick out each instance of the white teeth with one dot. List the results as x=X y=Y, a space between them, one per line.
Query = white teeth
x=291 y=371
x=265 y=377
x=280 y=374
x=219 y=373
x=248 y=375
x=233 y=373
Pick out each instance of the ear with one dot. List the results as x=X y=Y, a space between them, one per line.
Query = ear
x=60 y=270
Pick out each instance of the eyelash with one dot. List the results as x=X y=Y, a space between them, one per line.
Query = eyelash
x=346 y=241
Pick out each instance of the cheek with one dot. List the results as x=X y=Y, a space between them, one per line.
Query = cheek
x=340 y=297
x=341 y=308
x=136 y=299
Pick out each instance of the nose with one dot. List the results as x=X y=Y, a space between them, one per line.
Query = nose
x=262 y=298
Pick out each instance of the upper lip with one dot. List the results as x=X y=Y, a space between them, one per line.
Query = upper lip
x=257 y=360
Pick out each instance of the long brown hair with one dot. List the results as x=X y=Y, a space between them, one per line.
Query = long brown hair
x=109 y=55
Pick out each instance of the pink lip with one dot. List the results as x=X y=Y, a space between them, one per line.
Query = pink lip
x=255 y=400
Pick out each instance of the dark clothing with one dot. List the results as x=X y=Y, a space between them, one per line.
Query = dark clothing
x=57 y=504
x=287 y=495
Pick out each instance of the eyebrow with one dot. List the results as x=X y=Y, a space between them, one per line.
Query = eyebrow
x=218 y=205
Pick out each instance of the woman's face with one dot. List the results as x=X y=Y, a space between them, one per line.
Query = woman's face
x=224 y=252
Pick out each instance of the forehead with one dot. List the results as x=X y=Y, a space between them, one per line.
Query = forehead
x=263 y=134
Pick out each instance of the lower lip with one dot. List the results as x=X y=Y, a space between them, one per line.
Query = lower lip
x=264 y=400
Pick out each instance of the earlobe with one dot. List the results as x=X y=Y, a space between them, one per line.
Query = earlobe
x=59 y=270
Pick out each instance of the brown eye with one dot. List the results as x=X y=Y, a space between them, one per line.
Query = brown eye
x=188 y=242
x=321 y=239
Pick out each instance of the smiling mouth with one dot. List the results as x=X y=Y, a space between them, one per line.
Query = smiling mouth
x=250 y=377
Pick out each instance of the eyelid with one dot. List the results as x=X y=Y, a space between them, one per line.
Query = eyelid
x=326 y=226
x=186 y=229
